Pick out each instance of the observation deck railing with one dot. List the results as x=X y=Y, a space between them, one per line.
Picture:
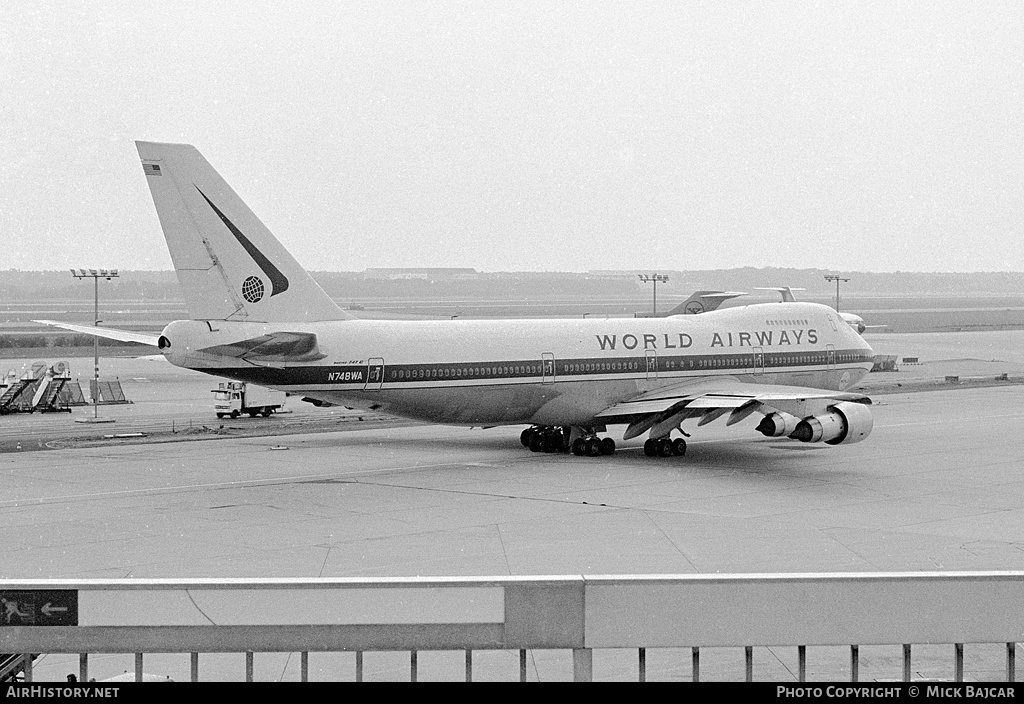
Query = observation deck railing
x=579 y=613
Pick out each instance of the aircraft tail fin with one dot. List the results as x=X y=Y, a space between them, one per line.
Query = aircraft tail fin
x=786 y=291
x=228 y=263
x=703 y=302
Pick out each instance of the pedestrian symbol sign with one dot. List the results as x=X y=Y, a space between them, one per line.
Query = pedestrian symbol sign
x=32 y=607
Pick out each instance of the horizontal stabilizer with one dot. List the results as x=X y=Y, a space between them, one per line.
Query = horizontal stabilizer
x=275 y=347
x=122 y=335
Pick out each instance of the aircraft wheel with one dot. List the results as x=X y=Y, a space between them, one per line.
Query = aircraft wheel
x=664 y=447
x=593 y=447
x=651 y=448
x=234 y=413
x=536 y=442
x=579 y=447
x=551 y=442
x=607 y=446
x=678 y=447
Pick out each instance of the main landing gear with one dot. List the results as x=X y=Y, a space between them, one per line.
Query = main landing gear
x=665 y=447
x=580 y=441
x=584 y=442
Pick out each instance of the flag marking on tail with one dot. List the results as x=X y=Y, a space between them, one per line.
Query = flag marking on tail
x=252 y=287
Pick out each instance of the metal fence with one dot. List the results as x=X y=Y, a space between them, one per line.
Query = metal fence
x=577 y=613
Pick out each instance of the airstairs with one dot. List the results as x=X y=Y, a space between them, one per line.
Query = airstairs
x=12 y=393
x=19 y=392
x=44 y=388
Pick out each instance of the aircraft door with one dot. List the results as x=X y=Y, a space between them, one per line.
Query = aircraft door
x=547 y=368
x=830 y=356
x=758 y=361
x=374 y=374
x=652 y=364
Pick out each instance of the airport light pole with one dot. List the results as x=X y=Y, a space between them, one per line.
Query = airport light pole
x=96 y=275
x=837 y=279
x=654 y=278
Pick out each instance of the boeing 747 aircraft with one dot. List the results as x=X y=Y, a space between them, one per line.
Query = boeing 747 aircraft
x=257 y=316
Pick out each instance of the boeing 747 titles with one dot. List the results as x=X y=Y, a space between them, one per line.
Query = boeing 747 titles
x=257 y=316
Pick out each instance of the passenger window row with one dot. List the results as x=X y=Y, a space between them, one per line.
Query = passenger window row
x=509 y=370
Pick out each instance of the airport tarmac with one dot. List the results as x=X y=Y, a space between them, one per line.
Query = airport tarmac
x=937 y=486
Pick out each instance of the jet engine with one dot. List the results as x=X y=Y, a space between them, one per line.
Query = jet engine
x=845 y=423
x=776 y=425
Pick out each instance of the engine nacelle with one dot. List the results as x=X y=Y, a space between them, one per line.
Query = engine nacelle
x=777 y=424
x=845 y=423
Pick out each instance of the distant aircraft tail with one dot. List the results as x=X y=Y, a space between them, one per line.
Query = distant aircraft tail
x=703 y=302
x=786 y=291
x=229 y=265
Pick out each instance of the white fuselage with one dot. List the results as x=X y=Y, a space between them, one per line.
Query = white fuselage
x=543 y=371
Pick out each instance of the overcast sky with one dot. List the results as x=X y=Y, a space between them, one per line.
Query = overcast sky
x=855 y=136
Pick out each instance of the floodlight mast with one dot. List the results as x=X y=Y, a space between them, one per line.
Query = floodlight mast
x=654 y=278
x=95 y=275
x=837 y=279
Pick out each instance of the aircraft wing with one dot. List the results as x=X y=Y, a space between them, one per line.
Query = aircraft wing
x=709 y=399
x=275 y=347
x=109 y=333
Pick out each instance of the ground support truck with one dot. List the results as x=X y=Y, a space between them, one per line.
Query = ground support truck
x=233 y=398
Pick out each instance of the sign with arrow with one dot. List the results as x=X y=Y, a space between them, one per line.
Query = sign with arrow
x=31 y=607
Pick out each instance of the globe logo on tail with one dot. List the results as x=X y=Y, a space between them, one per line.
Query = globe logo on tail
x=252 y=289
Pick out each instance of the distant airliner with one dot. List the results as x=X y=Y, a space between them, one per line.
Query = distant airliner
x=698 y=302
x=854 y=321
x=257 y=316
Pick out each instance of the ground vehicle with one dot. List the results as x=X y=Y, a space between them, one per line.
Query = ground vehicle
x=233 y=398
